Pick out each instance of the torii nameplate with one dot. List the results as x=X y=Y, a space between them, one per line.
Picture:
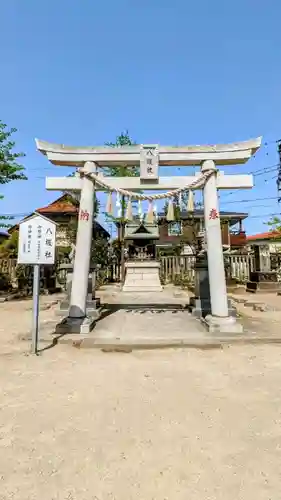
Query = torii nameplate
x=149 y=162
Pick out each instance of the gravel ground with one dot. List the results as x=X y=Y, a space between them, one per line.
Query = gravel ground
x=151 y=425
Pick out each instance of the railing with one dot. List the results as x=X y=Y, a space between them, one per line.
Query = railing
x=275 y=261
x=107 y=274
x=241 y=266
x=8 y=267
x=172 y=267
x=21 y=277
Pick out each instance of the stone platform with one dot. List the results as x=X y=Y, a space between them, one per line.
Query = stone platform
x=142 y=276
x=145 y=321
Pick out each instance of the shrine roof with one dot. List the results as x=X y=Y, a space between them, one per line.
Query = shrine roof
x=269 y=235
x=141 y=230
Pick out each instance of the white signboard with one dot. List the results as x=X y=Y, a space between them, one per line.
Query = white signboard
x=37 y=238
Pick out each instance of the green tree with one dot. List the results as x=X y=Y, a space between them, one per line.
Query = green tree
x=122 y=170
x=274 y=223
x=123 y=139
x=9 y=247
x=10 y=169
x=71 y=229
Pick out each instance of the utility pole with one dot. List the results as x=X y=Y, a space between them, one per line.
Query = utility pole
x=278 y=182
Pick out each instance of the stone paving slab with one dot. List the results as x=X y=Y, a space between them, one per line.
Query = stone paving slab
x=262 y=302
x=147 y=321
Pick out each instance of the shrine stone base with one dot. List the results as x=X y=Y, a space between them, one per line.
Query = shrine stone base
x=75 y=325
x=92 y=303
x=263 y=282
x=201 y=308
x=200 y=304
x=227 y=325
x=142 y=276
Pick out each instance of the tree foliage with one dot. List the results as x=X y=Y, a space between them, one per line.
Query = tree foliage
x=122 y=170
x=10 y=169
x=123 y=139
x=71 y=228
x=275 y=224
x=9 y=247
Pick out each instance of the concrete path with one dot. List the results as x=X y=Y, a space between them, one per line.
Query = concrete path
x=161 y=316
x=161 y=319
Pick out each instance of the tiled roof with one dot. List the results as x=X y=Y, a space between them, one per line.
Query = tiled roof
x=269 y=235
x=61 y=205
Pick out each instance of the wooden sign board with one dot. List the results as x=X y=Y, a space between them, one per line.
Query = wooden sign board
x=37 y=241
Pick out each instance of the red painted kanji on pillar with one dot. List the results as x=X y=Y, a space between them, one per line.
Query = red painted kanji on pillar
x=213 y=214
x=84 y=215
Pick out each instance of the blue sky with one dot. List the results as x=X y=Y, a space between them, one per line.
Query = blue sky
x=80 y=72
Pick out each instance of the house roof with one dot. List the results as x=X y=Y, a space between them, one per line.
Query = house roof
x=62 y=205
x=269 y=235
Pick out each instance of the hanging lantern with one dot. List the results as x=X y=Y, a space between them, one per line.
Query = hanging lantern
x=170 y=213
x=190 y=203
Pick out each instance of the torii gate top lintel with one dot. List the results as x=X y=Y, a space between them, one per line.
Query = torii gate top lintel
x=221 y=154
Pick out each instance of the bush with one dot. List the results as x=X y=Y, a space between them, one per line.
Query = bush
x=24 y=276
x=182 y=280
x=5 y=282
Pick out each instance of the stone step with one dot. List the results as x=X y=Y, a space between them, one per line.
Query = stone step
x=142 y=288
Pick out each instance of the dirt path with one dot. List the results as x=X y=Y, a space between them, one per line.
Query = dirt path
x=150 y=425
x=173 y=424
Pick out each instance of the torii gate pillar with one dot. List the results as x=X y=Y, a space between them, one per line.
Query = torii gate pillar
x=219 y=320
x=79 y=289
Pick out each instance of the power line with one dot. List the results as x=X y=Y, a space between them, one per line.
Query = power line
x=249 y=201
x=259 y=216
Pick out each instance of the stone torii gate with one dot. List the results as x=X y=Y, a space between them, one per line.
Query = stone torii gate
x=150 y=157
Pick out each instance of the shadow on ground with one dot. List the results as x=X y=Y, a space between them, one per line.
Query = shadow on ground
x=109 y=309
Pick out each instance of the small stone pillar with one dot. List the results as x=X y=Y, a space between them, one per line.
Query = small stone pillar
x=263 y=280
x=201 y=302
x=92 y=304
